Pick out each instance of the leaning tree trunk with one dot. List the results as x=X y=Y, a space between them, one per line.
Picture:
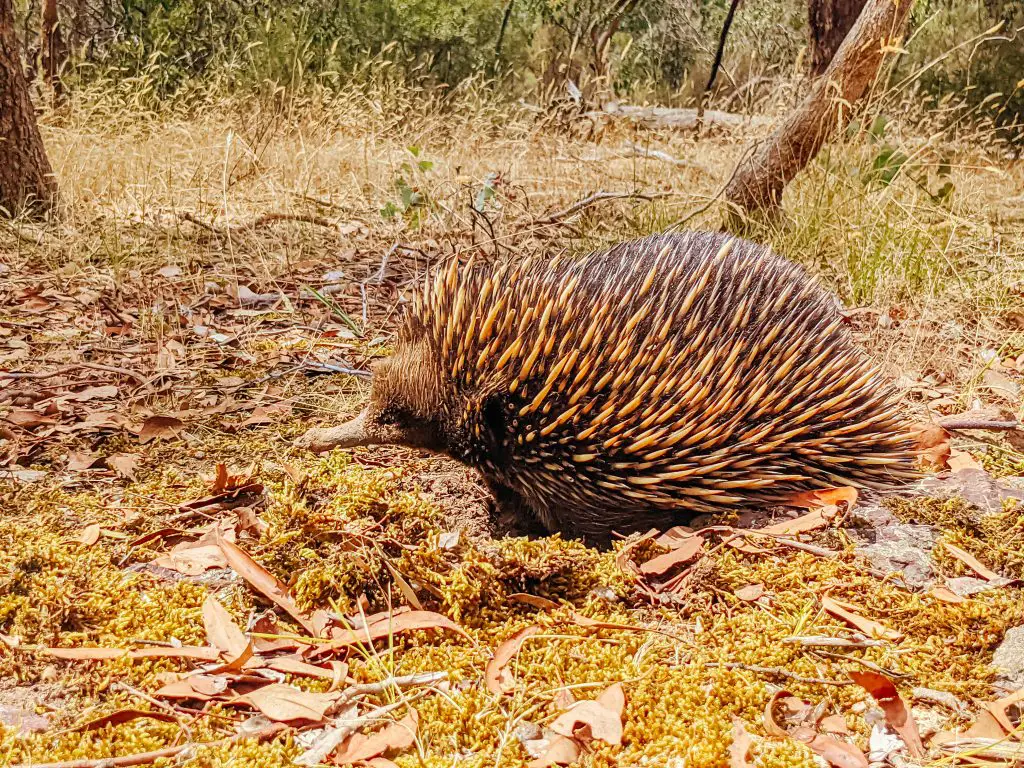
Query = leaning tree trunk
x=760 y=178
x=26 y=179
x=829 y=23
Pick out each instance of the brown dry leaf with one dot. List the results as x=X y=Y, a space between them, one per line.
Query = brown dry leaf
x=104 y=392
x=283 y=703
x=221 y=631
x=961 y=460
x=404 y=587
x=537 y=602
x=192 y=558
x=561 y=751
x=201 y=652
x=123 y=464
x=393 y=624
x=750 y=592
x=897 y=713
x=986 y=726
x=293 y=666
x=90 y=534
x=999 y=709
x=79 y=461
x=599 y=719
x=392 y=737
x=675 y=537
x=869 y=627
x=27 y=419
x=685 y=551
x=973 y=563
x=122 y=716
x=265 y=583
x=499 y=680
x=739 y=750
x=160 y=427
x=946 y=595
x=264 y=414
x=834 y=724
x=198 y=687
x=932 y=442
x=825 y=497
x=841 y=754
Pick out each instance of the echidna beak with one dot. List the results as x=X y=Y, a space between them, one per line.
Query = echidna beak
x=347 y=435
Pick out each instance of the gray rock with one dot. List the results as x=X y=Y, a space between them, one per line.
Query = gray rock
x=965 y=586
x=976 y=487
x=906 y=549
x=1009 y=657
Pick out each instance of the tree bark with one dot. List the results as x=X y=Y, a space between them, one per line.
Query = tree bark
x=26 y=179
x=829 y=21
x=52 y=52
x=761 y=177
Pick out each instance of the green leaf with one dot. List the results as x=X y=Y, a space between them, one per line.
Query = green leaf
x=425 y=165
x=414 y=150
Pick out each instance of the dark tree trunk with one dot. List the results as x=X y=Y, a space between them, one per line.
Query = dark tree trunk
x=830 y=21
x=26 y=179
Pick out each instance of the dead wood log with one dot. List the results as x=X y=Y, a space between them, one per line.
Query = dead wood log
x=761 y=177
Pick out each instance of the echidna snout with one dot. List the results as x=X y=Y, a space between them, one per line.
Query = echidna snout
x=637 y=386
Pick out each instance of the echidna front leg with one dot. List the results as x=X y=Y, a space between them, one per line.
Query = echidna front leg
x=513 y=513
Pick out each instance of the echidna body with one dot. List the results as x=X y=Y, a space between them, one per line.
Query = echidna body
x=638 y=386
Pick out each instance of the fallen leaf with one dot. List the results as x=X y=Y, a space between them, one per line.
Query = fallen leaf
x=946 y=595
x=825 y=497
x=497 y=677
x=160 y=427
x=834 y=724
x=599 y=719
x=841 y=754
x=122 y=716
x=561 y=751
x=79 y=461
x=973 y=563
x=123 y=464
x=869 y=627
x=986 y=726
x=897 y=713
x=292 y=666
x=675 y=537
x=266 y=584
x=932 y=443
x=221 y=631
x=389 y=625
x=284 y=703
x=198 y=687
x=685 y=551
x=771 y=726
x=91 y=393
x=203 y=653
x=171 y=270
x=750 y=592
x=26 y=419
x=192 y=558
x=392 y=737
x=537 y=602
x=1000 y=707
x=739 y=749
x=90 y=534
x=961 y=460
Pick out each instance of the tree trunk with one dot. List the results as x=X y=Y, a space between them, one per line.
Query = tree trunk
x=26 y=179
x=830 y=21
x=52 y=52
x=760 y=178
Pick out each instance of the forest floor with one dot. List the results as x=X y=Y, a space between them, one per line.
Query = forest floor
x=179 y=585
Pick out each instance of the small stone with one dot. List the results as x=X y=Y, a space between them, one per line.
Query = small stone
x=965 y=586
x=1009 y=657
x=906 y=549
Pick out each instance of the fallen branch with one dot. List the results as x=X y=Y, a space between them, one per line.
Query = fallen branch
x=633 y=150
x=957 y=423
x=256 y=223
x=406 y=681
x=597 y=197
x=137 y=377
x=820 y=641
x=777 y=671
x=147 y=758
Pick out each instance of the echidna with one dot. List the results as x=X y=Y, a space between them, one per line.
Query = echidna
x=636 y=386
